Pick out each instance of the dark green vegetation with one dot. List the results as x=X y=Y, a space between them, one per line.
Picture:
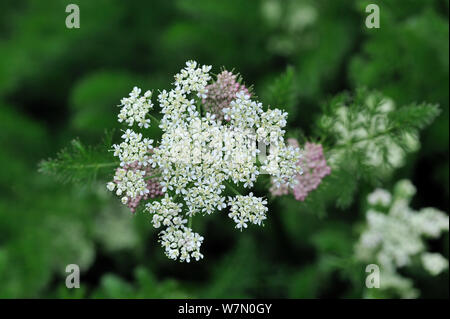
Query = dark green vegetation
x=57 y=84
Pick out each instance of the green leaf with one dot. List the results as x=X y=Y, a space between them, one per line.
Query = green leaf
x=79 y=163
x=414 y=116
x=281 y=93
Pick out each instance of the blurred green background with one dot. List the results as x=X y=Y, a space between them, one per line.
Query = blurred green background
x=58 y=83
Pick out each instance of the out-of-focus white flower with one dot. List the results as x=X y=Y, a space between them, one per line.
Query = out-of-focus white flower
x=430 y=222
x=395 y=233
x=404 y=189
x=366 y=133
x=380 y=197
x=434 y=263
x=392 y=281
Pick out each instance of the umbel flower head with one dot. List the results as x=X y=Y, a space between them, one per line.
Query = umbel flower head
x=314 y=169
x=199 y=156
x=395 y=235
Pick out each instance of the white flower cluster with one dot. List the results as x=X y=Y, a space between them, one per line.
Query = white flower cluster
x=135 y=108
x=434 y=263
x=271 y=127
x=129 y=183
x=281 y=163
x=134 y=148
x=366 y=132
x=181 y=243
x=166 y=212
x=193 y=79
x=379 y=197
x=198 y=155
x=247 y=209
x=245 y=115
x=243 y=112
x=392 y=283
x=178 y=240
x=395 y=232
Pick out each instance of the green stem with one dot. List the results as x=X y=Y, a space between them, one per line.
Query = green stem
x=200 y=108
x=97 y=165
x=154 y=119
x=234 y=190
x=153 y=176
x=190 y=222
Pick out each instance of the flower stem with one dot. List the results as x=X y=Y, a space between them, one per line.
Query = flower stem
x=94 y=165
x=200 y=108
x=234 y=190
x=153 y=176
x=154 y=119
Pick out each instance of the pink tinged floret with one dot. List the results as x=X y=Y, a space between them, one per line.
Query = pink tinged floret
x=314 y=168
x=153 y=185
x=222 y=92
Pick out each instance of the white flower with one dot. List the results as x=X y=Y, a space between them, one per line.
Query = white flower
x=272 y=122
x=134 y=108
x=430 y=222
x=281 y=163
x=243 y=113
x=380 y=197
x=127 y=135
x=181 y=243
x=131 y=183
x=133 y=148
x=247 y=209
x=434 y=263
x=404 y=189
x=166 y=213
x=365 y=133
x=110 y=186
x=393 y=238
x=392 y=281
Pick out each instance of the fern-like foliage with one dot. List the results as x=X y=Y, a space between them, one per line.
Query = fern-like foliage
x=281 y=92
x=80 y=163
x=414 y=117
x=367 y=137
